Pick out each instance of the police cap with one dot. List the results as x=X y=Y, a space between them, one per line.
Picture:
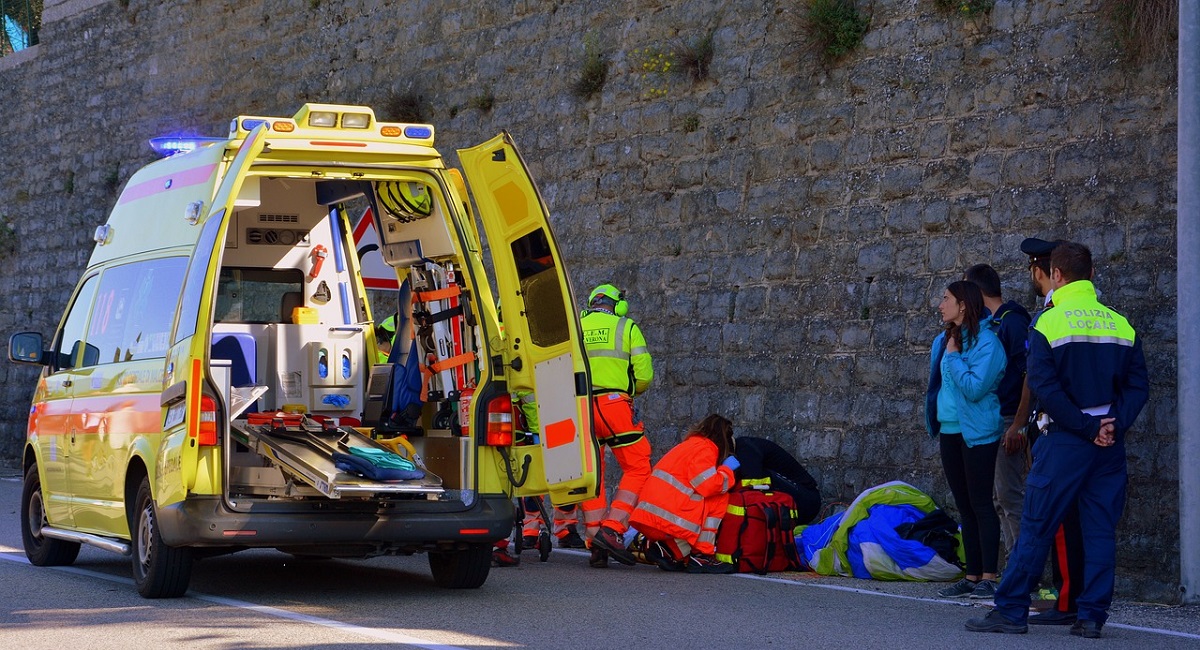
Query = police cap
x=1038 y=249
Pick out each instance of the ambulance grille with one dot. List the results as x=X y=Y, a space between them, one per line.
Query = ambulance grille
x=279 y=218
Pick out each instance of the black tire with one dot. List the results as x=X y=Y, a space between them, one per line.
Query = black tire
x=159 y=571
x=544 y=546
x=41 y=551
x=462 y=569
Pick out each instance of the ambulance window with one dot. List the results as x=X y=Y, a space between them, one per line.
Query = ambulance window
x=541 y=289
x=134 y=310
x=253 y=295
x=71 y=338
x=189 y=306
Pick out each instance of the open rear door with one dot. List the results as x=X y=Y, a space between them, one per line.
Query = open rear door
x=183 y=396
x=545 y=351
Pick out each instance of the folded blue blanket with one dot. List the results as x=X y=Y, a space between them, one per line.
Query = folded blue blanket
x=364 y=467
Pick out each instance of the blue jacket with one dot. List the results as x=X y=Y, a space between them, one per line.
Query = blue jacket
x=974 y=374
x=1012 y=322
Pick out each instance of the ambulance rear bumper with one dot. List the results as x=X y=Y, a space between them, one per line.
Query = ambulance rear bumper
x=208 y=522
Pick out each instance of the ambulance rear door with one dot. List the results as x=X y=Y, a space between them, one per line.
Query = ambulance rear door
x=187 y=358
x=545 y=351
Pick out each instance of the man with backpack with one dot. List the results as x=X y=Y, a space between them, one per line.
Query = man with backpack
x=1011 y=323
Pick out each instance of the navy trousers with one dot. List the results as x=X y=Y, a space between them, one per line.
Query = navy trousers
x=1068 y=469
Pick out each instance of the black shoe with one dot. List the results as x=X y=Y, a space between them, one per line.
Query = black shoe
x=529 y=541
x=1052 y=617
x=708 y=564
x=599 y=559
x=1086 y=629
x=658 y=554
x=995 y=622
x=613 y=542
x=571 y=540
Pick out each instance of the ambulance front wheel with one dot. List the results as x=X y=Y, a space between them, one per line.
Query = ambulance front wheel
x=159 y=571
x=461 y=569
x=41 y=551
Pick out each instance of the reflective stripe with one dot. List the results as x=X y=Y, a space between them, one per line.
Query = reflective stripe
x=665 y=477
x=724 y=483
x=641 y=349
x=619 y=339
x=753 y=482
x=723 y=557
x=624 y=439
x=669 y=517
x=707 y=537
x=1084 y=338
x=712 y=522
x=704 y=476
x=612 y=354
x=736 y=510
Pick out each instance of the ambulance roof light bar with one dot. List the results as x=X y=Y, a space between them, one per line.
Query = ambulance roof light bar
x=355 y=123
x=167 y=146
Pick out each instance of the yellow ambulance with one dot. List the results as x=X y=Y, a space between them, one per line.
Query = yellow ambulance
x=213 y=385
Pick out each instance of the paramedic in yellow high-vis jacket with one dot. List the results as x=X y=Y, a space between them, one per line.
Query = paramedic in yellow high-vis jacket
x=621 y=368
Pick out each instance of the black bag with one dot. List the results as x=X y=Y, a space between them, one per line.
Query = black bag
x=936 y=530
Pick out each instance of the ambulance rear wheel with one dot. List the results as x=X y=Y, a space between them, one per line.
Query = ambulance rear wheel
x=462 y=569
x=41 y=551
x=159 y=571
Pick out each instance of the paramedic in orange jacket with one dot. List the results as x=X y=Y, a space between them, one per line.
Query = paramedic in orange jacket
x=621 y=368
x=681 y=505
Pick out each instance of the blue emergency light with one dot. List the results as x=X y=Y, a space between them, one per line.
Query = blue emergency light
x=167 y=146
x=418 y=132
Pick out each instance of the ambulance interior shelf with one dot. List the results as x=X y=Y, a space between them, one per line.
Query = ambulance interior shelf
x=305 y=450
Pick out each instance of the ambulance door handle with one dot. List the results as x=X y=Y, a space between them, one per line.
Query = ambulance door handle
x=66 y=383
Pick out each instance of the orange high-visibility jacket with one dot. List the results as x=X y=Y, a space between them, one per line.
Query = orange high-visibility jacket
x=686 y=494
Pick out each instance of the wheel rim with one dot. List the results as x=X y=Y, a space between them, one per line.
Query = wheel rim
x=36 y=515
x=145 y=533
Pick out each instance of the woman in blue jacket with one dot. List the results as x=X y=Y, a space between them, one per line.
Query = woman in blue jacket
x=963 y=411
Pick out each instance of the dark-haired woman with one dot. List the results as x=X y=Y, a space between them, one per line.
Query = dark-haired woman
x=963 y=412
x=681 y=504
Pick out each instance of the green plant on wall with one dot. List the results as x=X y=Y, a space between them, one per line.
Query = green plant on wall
x=835 y=26
x=8 y=237
x=1145 y=29
x=483 y=101
x=653 y=67
x=594 y=71
x=965 y=7
x=406 y=106
x=694 y=56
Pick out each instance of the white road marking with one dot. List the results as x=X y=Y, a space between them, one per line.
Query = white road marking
x=383 y=635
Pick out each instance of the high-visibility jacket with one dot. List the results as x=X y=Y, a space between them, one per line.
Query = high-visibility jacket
x=686 y=494
x=1086 y=363
x=617 y=354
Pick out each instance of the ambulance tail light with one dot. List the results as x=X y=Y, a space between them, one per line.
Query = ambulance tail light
x=499 y=432
x=389 y=131
x=207 y=435
x=283 y=126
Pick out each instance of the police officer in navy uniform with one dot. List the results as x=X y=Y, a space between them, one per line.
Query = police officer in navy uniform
x=1088 y=372
x=1066 y=555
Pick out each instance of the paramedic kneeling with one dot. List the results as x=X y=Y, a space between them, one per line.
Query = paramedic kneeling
x=681 y=505
x=1080 y=353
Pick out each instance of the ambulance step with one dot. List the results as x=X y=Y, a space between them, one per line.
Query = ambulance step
x=308 y=456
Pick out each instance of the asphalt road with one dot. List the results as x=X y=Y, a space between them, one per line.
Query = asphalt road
x=265 y=599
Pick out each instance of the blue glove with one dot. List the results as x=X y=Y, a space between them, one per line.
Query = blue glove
x=732 y=463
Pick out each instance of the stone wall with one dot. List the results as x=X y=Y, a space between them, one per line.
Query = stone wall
x=784 y=228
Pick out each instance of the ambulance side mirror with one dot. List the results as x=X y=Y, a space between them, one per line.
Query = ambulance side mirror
x=26 y=347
